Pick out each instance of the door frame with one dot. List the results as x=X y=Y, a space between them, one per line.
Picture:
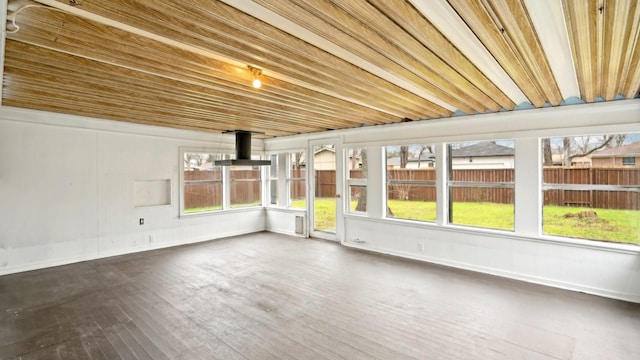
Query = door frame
x=311 y=185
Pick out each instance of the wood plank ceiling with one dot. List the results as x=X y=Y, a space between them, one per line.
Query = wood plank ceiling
x=326 y=64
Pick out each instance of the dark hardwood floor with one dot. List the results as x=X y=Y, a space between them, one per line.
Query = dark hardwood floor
x=269 y=296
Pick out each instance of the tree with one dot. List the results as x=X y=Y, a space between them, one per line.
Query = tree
x=194 y=159
x=421 y=151
x=573 y=147
x=296 y=163
x=547 y=153
x=404 y=156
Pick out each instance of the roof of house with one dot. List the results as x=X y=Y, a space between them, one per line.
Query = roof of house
x=324 y=149
x=483 y=149
x=632 y=149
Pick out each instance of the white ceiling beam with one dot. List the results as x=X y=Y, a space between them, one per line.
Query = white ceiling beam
x=549 y=21
x=282 y=23
x=445 y=18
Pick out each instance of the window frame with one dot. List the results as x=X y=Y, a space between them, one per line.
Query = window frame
x=544 y=186
x=289 y=179
x=260 y=180
x=271 y=180
x=349 y=183
x=453 y=184
x=628 y=161
x=427 y=183
x=183 y=182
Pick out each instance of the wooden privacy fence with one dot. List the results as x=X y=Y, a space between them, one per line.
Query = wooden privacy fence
x=244 y=192
x=602 y=199
x=325 y=186
x=205 y=194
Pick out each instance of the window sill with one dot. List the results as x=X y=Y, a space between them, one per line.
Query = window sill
x=286 y=209
x=221 y=212
x=511 y=235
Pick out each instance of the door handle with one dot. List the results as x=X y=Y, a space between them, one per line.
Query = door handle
x=337 y=196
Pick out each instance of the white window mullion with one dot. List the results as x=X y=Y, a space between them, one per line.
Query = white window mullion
x=442 y=190
x=528 y=194
x=226 y=187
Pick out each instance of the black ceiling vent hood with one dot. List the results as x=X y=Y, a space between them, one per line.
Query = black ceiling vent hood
x=243 y=152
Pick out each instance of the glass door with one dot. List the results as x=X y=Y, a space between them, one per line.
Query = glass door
x=325 y=190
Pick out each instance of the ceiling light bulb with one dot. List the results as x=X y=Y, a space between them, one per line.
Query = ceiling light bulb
x=256 y=76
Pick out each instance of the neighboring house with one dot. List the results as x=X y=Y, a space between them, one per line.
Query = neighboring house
x=483 y=155
x=325 y=159
x=625 y=155
x=579 y=161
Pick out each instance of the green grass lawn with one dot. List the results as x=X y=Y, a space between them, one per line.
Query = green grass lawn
x=325 y=214
x=201 y=209
x=621 y=226
x=219 y=207
x=488 y=215
x=610 y=225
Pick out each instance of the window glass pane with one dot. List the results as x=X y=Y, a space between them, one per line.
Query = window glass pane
x=245 y=186
x=358 y=198
x=412 y=202
x=483 y=207
x=202 y=182
x=357 y=163
x=200 y=197
x=481 y=189
x=297 y=181
x=411 y=191
x=297 y=195
x=599 y=200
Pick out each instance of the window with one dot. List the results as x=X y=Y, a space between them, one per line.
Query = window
x=628 y=161
x=411 y=182
x=481 y=192
x=600 y=202
x=296 y=180
x=357 y=179
x=202 y=182
x=273 y=180
x=245 y=185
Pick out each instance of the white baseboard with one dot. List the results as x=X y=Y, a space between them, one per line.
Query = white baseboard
x=116 y=252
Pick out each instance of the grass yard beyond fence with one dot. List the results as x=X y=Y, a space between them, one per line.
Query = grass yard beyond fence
x=621 y=226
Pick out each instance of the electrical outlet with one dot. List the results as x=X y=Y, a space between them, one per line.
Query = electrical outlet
x=150 y=238
x=141 y=221
x=421 y=246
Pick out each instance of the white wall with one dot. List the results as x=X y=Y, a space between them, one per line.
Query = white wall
x=611 y=270
x=67 y=182
x=612 y=273
x=66 y=188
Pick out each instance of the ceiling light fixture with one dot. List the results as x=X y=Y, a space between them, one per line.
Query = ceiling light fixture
x=256 y=76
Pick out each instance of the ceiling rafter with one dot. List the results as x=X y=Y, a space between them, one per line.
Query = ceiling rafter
x=330 y=64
